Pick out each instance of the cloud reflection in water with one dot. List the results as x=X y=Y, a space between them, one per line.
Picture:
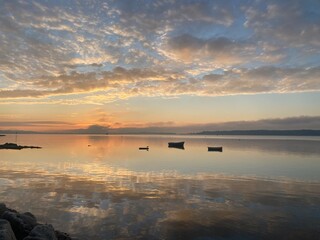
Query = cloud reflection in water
x=255 y=189
x=167 y=205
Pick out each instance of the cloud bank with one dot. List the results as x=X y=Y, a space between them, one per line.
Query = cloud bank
x=160 y=48
x=292 y=123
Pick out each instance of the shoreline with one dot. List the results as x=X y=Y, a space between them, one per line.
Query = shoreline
x=24 y=226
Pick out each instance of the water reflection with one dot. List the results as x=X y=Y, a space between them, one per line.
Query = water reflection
x=255 y=189
x=277 y=145
x=167 y=205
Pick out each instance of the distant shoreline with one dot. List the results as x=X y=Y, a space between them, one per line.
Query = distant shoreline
x=263 y=132
x=302 y=132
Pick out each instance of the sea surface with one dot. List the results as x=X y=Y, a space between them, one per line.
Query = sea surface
x=104 y=187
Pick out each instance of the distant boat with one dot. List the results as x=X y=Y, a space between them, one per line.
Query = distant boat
x=179 y=145
x=15 y=146
x=2 y=135
x=214 y=149
x=10 y=146
x=144 y=148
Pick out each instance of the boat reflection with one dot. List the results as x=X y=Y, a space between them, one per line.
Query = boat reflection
x=177 y=147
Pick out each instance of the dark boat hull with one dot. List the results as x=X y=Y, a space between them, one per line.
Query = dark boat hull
x=10 y=146
x=214 y=149
x=144 y=148
x=179 y=145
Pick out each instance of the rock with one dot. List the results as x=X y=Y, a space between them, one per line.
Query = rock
x=6 y=232
x=17 y=226
x=30 y=214
x=21 y=224
x=62 y=235
x=3 y=208
x=28 y=219
x=42 y=232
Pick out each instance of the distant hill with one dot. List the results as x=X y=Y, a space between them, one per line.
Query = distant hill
x=305 y=132
x=17 y=132
x=142 y=131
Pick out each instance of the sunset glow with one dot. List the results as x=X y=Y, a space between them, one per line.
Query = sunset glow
x=177 y=66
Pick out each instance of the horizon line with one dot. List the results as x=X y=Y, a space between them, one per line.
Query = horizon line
x=254 y=132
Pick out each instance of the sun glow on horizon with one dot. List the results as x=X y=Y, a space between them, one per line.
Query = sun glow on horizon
x=157 y=64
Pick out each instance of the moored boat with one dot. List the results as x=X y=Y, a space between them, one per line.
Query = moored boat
x=10 y=146
x=144 y=148
x=176 y=145
x=214 y=149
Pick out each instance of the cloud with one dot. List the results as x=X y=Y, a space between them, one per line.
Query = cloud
x=207 y=12
x=295 y=23
x=291 y=123
x=47 y=39
x=106 y=124
x=151 y=17
x=221 y=50
x=41 y=40
x=118 y=80
x=33 y=123
x=266 y=79
x=32 y=126
x=123 y=49
x=122 y=83
x=26 y=50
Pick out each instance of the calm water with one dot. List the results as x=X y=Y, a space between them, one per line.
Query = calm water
x=258 y=188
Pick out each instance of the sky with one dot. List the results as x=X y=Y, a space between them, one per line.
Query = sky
x=170 y=64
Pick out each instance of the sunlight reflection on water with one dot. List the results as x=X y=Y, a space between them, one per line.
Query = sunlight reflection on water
x=255 y=189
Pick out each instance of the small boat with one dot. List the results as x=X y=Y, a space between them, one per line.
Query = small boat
x=144 y=148
x=214 y=149
x=179 y=145
x=10 y=146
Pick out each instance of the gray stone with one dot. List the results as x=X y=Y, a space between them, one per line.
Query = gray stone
x=42 y=232
x=62 y=235
x=6 y=232
x=21 y=224
x=29 y=219
x=3 y=208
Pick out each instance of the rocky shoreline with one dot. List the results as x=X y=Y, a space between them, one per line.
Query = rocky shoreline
x=24 y=226
x=15 y=146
